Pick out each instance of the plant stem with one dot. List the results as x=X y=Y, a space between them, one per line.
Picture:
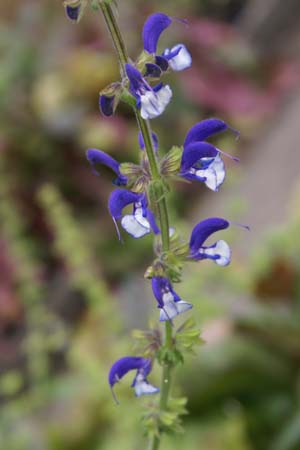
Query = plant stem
x=162 y=207
x=115 y=34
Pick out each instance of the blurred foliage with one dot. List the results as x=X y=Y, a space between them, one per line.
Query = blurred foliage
x=63 y=273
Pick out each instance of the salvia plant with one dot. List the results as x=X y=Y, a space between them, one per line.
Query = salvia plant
x=144 y=189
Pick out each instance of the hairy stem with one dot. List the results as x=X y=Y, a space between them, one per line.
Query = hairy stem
x=162 y=207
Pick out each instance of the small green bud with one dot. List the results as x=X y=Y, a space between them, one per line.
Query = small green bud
x=112 y=90
x=147 y=342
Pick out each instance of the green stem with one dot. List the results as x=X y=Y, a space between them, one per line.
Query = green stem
x=162 y=208
x=115 y=34
x=161 y=201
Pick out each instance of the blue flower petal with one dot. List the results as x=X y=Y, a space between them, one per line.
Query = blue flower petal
x=202 y=231
x=153 y=70
x=168 y=300
x=193 y=153
x=95 y=157
x=135 y=78
x=162 y=62
x=106 y=105
x=123 y=365
x=73 y=12
x=140 y=383
x=154 y=141
x=152 y=222
x=204 y=130
x=120 y=198
x=153 y=27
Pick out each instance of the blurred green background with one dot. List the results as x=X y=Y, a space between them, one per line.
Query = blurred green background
x=70 y=293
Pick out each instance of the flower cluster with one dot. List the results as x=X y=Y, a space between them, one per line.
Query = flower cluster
x=150 y=66
x=196 y=160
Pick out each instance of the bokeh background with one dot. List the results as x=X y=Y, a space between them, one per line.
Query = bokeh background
x=70 y=294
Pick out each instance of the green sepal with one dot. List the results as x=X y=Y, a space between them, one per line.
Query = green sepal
x=157 y=268
x=167 y=421
x=113 y=90
x=130 y=169
x=178 y=247
x=173 y=266
x=157 y=190
x=187 y=337
x=170 y=163
x=147 y=342
x=149 y=272
x=171 y=357
x=128 y=98
x=178 y=405
x=137 y=180
x=143 y=59
x=151 y=421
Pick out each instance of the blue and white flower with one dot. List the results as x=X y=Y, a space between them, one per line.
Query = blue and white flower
x=140 y=383
x=96 y=157
x=219 y=252
x=169 y=302
x=152 y=101
x=178 y=57
x=140 y=222
x=202 y=161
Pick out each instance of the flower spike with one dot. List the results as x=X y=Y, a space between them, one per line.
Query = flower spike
x=95 y=157
x=219 y=252
x=140 y=383
x=169 y=303
x=137 y=224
